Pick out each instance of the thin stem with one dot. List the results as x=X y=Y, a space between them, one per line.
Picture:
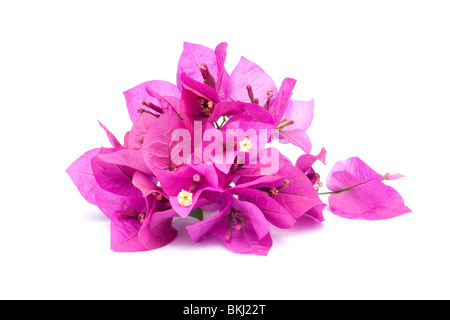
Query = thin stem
x=224 y=119
x=323 y=193
x=339 y=191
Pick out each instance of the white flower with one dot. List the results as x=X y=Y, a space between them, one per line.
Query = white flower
x=246 y=145
x=184 y=198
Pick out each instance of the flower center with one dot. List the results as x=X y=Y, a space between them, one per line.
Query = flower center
x=184 y=198
x=318 y=184
x=272 y=192
x=315 y=179
x=206 y=106
x=245 y=145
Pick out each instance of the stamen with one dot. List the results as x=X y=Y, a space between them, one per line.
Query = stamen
x=140 y=110
x=318 y=185
x=131 y=210
x=273 y=192
x=315 y=178
x=124 y=216
x=208 y=79
x=136 y=215
x=284 y=185
x=200 y=101
x=230 y=226
x=193 y=187
x=250 y=93
x=208 y=109
x=141 y=218
x=196 y=177
x=159 y=196
x=286 y=124
x=141 y=139
x=269 y=96
x=152 y=106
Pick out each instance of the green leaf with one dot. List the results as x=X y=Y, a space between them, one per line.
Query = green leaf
x=197 y=214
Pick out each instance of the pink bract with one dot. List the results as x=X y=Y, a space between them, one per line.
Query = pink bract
x=201 y=147
x=359 y=192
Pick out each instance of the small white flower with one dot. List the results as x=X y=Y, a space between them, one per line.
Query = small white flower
x=184 y=198
x=246 y=145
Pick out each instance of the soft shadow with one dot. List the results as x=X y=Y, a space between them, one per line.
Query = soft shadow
x=304 y=225
x=307 y=224
x=95 y=215
x=184 y=239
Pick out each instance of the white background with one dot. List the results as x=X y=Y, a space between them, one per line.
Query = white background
x=379 y=72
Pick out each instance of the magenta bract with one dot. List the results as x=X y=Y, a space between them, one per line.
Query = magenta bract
x=359 y=192
x=201 y=149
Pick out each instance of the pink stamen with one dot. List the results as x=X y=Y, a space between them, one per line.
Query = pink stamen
x=250 y=93
x=286 y=124
x=131 y=210
x=284 y=185
x=124 y=216
x=141 y=110
x=269 y=96
x=152 y=106
x=193 y=187
x=141 y=217
x=208 y=79
x=230 y=226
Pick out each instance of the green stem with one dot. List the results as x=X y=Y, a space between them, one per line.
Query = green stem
x=223 y=122
x=323 y=193
x=339 y=191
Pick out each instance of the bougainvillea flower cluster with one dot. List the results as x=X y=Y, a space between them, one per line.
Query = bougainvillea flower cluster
x=200 y=149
